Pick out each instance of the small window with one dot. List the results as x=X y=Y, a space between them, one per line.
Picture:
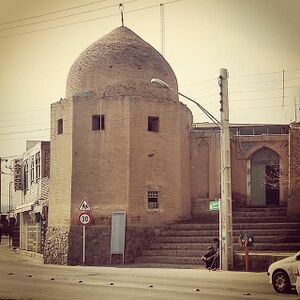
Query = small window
x=152 y=199
x=60 y=126
x=31 y=169
x=246 y=131
x=153 y=123
x=98 y=122
x=38 y=165
x=260 y=130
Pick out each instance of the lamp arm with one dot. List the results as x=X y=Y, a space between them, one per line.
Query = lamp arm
x=209 y=115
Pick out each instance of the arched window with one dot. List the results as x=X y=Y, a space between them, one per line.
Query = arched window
x=265 y=185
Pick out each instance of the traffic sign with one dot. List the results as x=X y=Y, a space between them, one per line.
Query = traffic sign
x=84 y=205
x=214 y=205
x=85 y=219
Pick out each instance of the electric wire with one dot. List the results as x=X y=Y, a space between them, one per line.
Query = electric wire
x=53 y=12
x=23 y=131
x=66 y=16
x=24 y=111
x=264 y=90
x=84 y=21
x=24 y=124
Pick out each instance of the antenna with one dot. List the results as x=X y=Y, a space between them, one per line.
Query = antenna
x=162 y=24
x=121 y=7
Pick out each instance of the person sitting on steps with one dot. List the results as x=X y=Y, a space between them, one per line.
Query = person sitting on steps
x=209 y=257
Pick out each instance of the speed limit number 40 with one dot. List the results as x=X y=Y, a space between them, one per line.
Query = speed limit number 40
x=85 y=219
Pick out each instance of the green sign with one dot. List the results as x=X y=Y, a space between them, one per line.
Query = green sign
x=214 y=205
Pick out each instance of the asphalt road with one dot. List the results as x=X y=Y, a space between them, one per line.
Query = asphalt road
x=22 y=277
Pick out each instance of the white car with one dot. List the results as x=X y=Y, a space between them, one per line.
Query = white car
x=283 y=273
x=298 y=280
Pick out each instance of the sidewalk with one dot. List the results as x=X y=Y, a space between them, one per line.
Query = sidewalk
x=4 y=246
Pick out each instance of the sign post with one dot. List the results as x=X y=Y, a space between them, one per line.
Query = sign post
x=85 y=219
x=246 y=241
x=215 y=205
x=83 y=244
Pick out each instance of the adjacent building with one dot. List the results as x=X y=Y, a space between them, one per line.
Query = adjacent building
x=31 y=186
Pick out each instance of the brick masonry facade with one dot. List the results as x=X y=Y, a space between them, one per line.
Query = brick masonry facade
x=115 y=167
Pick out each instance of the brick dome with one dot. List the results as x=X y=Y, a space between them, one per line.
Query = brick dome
x=121 y=63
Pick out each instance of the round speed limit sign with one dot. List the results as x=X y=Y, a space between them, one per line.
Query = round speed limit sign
x=85 y=219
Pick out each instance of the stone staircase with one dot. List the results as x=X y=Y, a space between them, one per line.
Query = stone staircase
x=183 y=244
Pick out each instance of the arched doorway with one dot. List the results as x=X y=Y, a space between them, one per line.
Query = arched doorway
x=265 y=185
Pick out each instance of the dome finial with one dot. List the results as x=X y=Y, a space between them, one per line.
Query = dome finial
x=121 y=7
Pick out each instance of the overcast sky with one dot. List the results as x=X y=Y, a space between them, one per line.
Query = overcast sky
x=254 y=39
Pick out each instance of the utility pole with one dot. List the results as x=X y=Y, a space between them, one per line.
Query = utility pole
x=5 y=160
x=162 y=24
x=226 y=201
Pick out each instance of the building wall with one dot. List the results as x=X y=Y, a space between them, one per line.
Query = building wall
x=33 y=192
x=159 y=161
x=113 y=169
x=205 y=166
x=30 y=225
x=61 y=164
x=59 y=213
x=205 y=169
x=100 y=157
x=294 y=165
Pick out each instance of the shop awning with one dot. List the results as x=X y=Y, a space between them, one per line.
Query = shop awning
x=24 y=207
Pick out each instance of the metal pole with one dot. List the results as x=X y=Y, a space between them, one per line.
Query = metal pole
x=226 y=202
x=295 y=108
x=0 y=185
x=83 y=244
x=9 y=209
x=282 y=88
x=1 y=160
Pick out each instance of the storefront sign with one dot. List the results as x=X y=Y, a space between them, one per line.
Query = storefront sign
x=18 y=175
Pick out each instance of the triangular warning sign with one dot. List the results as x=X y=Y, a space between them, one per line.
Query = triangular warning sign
x=84 y=205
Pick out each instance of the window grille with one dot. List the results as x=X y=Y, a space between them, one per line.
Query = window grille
x=32 y=169
x=38 y=165
x=153 y=200
x=26 y=175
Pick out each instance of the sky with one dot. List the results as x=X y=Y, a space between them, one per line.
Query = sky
x=257 y=41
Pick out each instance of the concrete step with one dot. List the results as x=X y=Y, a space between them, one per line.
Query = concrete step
x=271 y=226
x=215 y=233
x=268 y=232
x=167 y=265
x=184 y=239
x=282 y=209
x=238 y=225
x=186 y=233
x=208 y=239
x=257 y=219
x=290 y=246
x=241 y=214
x=194 y=226
x=271 y=247
x=180 y=246
x=184 y=243
x=273 y=239
x=183 y=260
x=177 y=253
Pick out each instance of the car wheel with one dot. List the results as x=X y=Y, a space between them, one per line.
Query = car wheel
x=281 y=282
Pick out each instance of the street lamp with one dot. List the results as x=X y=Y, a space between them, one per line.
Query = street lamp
x=161 y=84
x=225 y=212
